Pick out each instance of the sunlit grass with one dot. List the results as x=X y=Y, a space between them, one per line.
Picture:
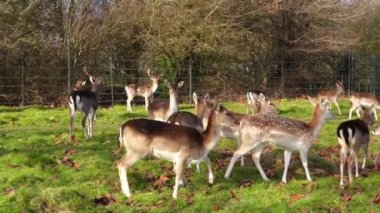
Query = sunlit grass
x=35 y=176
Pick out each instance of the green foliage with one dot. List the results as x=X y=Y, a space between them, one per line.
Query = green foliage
x=35 y=176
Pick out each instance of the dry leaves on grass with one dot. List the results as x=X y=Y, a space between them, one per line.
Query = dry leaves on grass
x=245 y=183
x=216 y=207
x=377 y=197
x=346 y=197
x=296 y=197
x=69 y=162
x=74 y=140
x=105 y=200
x=9 y=192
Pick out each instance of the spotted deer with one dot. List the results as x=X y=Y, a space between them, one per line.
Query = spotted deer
x=251 y=102
x=332 y=96
x=87 y=102
x=143 y=90
x=366 y=100
x=175 y=143
x=161 y=110
x=354 y=135
x=288 y=134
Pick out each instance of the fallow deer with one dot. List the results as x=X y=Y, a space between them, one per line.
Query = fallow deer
x=143 y=90
x=175 y=143
x=185 y=118
x=251 y=102
x=366 y=100
x=161 y=110
x=202 y=107
x=79 y=85
x=262 y=105
x=332 y=96
x=87 y=102
x=291 y=135
x=352 y=136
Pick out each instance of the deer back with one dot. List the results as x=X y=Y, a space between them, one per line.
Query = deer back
x=186 y=119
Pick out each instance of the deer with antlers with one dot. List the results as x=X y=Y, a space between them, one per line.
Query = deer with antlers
x=143 y=90
x=291 y=135
x=352 y=136
x=85 y=101
x=332 y=96
x=175 y=143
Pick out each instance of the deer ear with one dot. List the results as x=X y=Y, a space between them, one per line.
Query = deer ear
x=195 y=98
x=83 y=83
x=206 y=97
x=148 y=71
x=180 y=84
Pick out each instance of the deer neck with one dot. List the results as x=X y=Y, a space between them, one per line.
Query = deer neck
x=173 y=104
x=154 y=86
x=212 y=132
x=316 y=121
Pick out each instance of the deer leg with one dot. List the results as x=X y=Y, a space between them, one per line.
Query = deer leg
x=210 y=174
x=237 y=154
x=123 y=165
x=350 y=162
x=343 y=159
x=238 y=141
x=374 y=112
x=72 y=117
x=351 y=110
x=84 y=120
x=91 y=123
x=146 y=102
x=256 y=158
x=303 y=155
x=337 y=106
x=365 y=155
x=287 y=155
x=129 y=100
x=178 y=177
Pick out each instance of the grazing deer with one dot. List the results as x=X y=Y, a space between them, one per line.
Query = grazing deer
x=332 y=96
x=250 y=101
x=161 y=110
x=352 y=136
x=87 y=102
x=291 y=135
x=143 y=90
x=175 y=143
x=262 y=105
x=366 y=100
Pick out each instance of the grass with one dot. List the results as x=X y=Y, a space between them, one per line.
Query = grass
x=42 y=171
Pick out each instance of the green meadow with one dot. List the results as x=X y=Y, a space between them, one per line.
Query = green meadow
x=41 y=170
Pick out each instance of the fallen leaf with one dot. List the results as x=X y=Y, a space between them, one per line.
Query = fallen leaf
x=70 y=152
x=74 y=140
x=346 y=197
x=377 y=198
x=269 y=173
x=216 y=207
x=245 y=183
x=296 y=197
x=105 y=200
x=70 y=162
x=159 y=183
x=233 y=195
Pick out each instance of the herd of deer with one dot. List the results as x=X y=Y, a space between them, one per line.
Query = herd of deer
x=186 y=138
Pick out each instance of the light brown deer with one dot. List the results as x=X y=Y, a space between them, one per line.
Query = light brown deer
x=332 y=96
x=366 y=100
x=291 y=135
x=175 y=143
x=161 y=110
x=262 y=105
x=143 y=90
x=87 y=102
x=352 y=136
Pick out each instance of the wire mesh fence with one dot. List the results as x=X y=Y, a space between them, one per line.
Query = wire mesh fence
x=22 y=85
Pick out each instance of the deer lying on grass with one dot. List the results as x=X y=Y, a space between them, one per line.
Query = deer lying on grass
x=87 y=102
x=366 y=100
x=291 y=135
x=332 y=96
x=161 y=110
x=143 y=90
x=262 y=105
x=178 y=144
x=352 y=136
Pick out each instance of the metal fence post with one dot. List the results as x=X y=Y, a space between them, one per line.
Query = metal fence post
x=22 y=84
x=190 y=79
x=112 y=95
x=282 y=78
